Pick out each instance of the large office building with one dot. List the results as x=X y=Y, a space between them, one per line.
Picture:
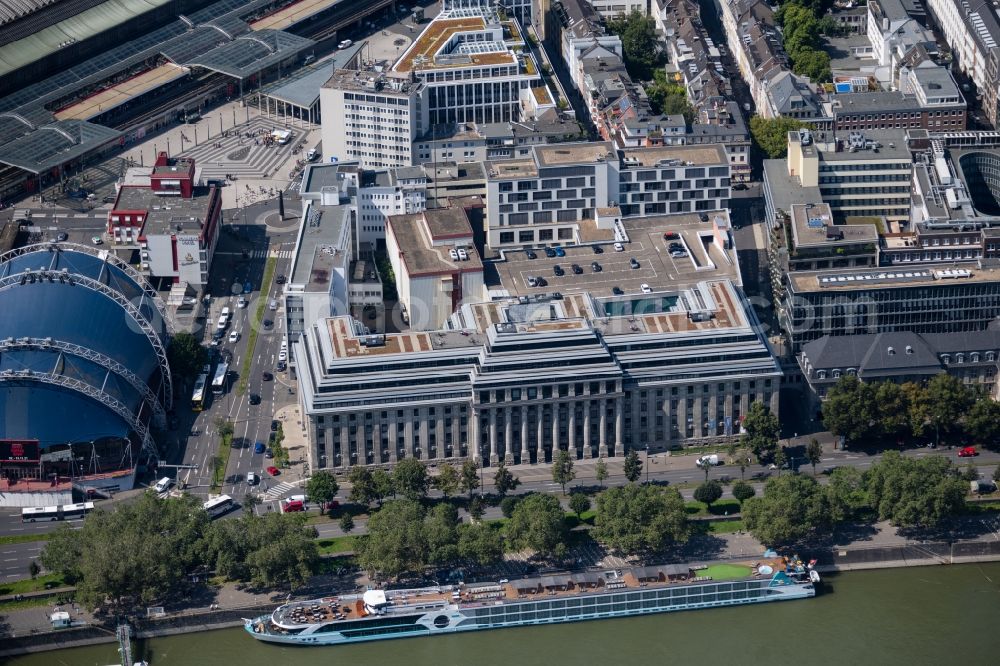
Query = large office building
x=524 y=375
x=468 y=65
x=565 y=192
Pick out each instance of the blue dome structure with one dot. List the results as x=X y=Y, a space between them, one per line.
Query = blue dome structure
x=83 y=363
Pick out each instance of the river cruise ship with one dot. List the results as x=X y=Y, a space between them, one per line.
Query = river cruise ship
x=378 y=614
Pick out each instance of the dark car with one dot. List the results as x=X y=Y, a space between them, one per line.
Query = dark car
x=560 y=252
x=598 y=249
x=268 y=323
x=282 y=366
x=267 y=376
x=617 y=291
x=633 y=262
x=576 y=269
x=549 y=252
x=274 y=425
x=541 y=282
x=703 y=217
x=254 y=399
x=740 y=186
x=596 y=267
x=558 y=271
x=280 y=279
x=269 y=453
x=675 y=246
x=531 y=254
x=258 y=448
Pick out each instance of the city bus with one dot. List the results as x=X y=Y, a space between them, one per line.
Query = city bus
x=198 y=396
x=217 y=506
x=221 y=379
x=32 y=514
x=76 y=511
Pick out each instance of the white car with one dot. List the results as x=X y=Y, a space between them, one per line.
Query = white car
x=242 y=302
x=645 y=288
x=234 y=336
x=619 y=247
x=282 y=356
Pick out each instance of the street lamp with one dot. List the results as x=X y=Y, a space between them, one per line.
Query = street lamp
x=647 y=463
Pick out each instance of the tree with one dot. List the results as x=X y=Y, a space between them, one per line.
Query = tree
x=441 y=530
x=601 y=471
x=224 y=427
x=917 y=407
x=982 y=421
x=539 y=524
x=283 y=549
x=709 y=492
x=250 y=501
x=668 y=98
x=743 y=491
x=970 y=473
x=915 y=492
x=322 y=487
x=578 y=503
x=814 y=453
x=410 y=479
x=780 y=458
x=447 y=479
x=477 y=508
x=185 y=356
x=771 y=134
x=562 y=469
x=893 y=409
x=762 y=429
x=395 y=543
x=949 y=400
x=637 y=519
x=846 y=496
x=480 y=542
x=996 y=475
x=346 y=523
x=632 y=466
x=507 y=505
x=470 y=476
x=640 y=45
x=131 y=557
x=383 y=485
x=504 y=480
x=850 y=409
x=34 y=569
x=791 y=509
x=362 y=485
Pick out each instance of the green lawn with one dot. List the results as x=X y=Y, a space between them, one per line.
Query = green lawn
x=219 y=472
x=22 y=538
x=726 y=507
x=26 y=585
x=335 y=545
x=725 y=526
x=30 y=602
x=725 y=571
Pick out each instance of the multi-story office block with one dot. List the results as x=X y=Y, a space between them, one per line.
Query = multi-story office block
x=522 y=377
x=556 y=196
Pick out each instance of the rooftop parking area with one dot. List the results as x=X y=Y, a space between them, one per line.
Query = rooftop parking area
x=704 y=258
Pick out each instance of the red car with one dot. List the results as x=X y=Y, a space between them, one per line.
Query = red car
x=273 y=471
x=968 y=452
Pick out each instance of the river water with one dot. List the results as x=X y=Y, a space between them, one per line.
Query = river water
x=922 y=615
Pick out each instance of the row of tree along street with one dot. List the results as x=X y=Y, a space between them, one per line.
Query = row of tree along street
x=943 y=409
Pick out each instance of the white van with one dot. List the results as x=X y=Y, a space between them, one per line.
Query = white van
x=163 y=484
x=225 y=312
x=223 y=321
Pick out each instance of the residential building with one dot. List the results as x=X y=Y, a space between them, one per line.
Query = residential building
x=168 y=220
x=694 y=57
x=893 y=33
x=521 y=377
x=903 y=356
x=436 y=264
x=609 y=9
x=972 y=31
x=928 y=98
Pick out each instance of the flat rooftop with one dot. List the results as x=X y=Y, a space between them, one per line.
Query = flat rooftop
x=812 y=226
x=558 y=154
x=953 y=274
x=120 y=93
x=514 y=169
x=319 y=176
x=697 y=155
x=705 y=259
x=167 y=214
x=417 y=234
x=422 y=54
x=319 y=251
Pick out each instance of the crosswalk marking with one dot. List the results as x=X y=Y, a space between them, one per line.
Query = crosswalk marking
x=277 y=491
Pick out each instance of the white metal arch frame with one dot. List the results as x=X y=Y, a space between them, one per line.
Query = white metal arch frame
x=109 y=401
x=104 y=361
x=103 y=255
x=30 y=277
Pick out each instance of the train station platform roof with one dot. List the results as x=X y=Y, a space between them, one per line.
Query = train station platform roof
x=301 y=88
x=53 y=145
x=121 y=93
x=292 y=14
x=251 y=53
